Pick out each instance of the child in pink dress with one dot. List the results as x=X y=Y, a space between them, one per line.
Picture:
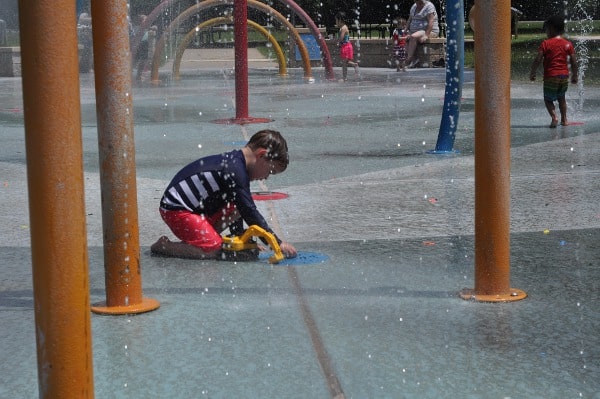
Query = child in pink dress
x=346 y=50
x=399 y=41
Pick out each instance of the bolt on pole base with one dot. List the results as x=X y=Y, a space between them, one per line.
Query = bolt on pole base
x=147 y=305
x=513 y=295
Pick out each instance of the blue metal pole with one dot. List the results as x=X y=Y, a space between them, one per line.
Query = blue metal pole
x=455 y=51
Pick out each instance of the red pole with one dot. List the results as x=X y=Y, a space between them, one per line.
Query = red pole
x=240 y=28
x=114 y=109
x=56 y=198
x=492 y=154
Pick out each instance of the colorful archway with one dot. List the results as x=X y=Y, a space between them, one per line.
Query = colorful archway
x=209 y=3
x=135 y=42
x=214 y=21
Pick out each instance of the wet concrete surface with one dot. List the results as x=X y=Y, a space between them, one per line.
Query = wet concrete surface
x=382 y=311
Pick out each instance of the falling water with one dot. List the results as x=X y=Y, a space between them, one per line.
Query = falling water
x=390 y=19
x=357 y=25
x=580 y=25
x=270 y=26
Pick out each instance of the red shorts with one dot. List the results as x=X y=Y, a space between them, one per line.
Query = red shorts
x=346 y=51
x=199 y=230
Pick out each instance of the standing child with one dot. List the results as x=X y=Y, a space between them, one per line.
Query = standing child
x=399 y=40
x=557 y=53
x=346 y=50
x=143 y=50
x=212 y=194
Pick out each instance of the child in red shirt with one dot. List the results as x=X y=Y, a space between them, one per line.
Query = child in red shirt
x=557 y=53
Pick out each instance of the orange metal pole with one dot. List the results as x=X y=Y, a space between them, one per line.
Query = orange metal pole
x=114 y=109
x=56 y=198
x=492 y=154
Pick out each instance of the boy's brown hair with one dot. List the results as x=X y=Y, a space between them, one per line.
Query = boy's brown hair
x=274 y=143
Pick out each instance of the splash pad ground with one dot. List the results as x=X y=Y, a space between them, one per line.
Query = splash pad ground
x=382 y=312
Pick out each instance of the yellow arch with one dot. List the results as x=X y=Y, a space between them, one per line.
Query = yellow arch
x=190 y=35
x=208 y=3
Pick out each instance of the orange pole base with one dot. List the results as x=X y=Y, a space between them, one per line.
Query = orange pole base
x=147 y=305
x=513 y=295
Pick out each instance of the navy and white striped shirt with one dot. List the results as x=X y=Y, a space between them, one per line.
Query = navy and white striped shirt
x=208 y=184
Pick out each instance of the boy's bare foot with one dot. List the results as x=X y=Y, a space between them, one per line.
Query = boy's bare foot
x=553 y=124
x=165 y=247
x=564 y=123
x=160 y=246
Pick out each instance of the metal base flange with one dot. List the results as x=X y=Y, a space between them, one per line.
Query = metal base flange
x=512 y=295
x=147 y=305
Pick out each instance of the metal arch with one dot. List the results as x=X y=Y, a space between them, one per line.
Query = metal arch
x=208 y=3
x=190 y=35
x=135 y=42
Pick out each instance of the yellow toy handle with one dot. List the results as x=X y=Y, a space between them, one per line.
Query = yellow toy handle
x=239 y=243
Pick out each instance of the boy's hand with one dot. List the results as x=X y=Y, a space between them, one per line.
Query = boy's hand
x=288 y=250
x=532 y=76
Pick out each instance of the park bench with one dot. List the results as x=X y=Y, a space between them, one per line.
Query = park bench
x=431 y=51
x=434 y=49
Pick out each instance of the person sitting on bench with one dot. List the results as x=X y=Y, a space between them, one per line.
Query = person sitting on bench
x=422 y=24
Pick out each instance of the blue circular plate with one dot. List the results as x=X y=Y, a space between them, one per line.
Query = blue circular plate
x=303 y=258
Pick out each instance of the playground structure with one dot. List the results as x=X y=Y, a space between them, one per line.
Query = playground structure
x=193 y=10
x=214 y=21
x=154 y=15
x=69 y=344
